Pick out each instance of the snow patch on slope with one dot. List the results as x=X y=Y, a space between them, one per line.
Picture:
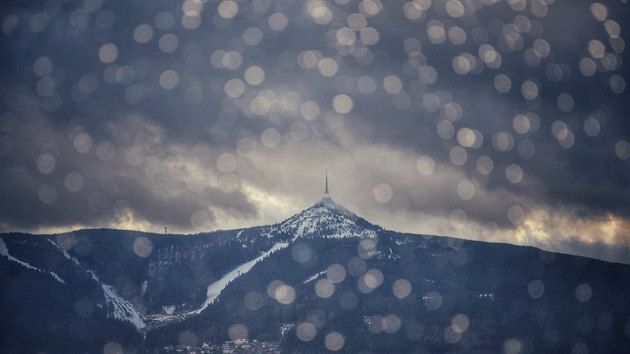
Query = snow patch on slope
x=121 y=309
x=5 y=252
x=317 y=275
x=215 y=289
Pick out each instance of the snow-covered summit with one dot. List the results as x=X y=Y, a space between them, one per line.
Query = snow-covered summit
x=326 y=219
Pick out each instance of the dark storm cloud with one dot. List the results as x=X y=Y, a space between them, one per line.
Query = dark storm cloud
x=164 y=108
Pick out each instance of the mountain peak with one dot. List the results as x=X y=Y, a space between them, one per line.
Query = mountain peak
x=326 y=219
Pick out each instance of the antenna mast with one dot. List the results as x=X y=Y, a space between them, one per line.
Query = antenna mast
x=326 y=191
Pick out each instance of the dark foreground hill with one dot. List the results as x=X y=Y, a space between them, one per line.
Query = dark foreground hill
x=323 y=280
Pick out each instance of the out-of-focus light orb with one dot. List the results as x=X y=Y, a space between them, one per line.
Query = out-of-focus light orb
x=73 y=181
x=142 y=247
x=342 y=104
x=369 y=281
x=270 y=138
x=234 y=88
x=336 y=273
x=536 y=289
x=238 y=331
x=613 y=28
x=334 y=341
x=168 y=43
x=187 y=338
x=366 y=248
x=370 y=8
x=484 y=165
x=369 y=36
x=526 y=149
x=588 y=67
x=391 y=324
x=46 y=163
x=105 y=150
x=457 y=35
x=591 y=126
x=356 y=266
x=529 y=90
x=324 y=288
x=345 y=36
x=428 y=75
x=305 y=331
x=169 y=79
x=42 y=66
x=254 y=300
x=516 y=214
x=284 y=294
x=366 y=85
x=254 y=75
x=436 y=32
x=66 y=241
x=309 y=110
x=383 y=192
x=227 y=9
x=356 y=21
x=617 y=83
x=565 y=102
x=82 y=143
x=457 y=218
x=502 y=141
x=599 y=11
x=521 y=124
x=433 y=301
x=84 y=308
x=143 y=33
x=108 y=53
x=460 y=323
x=229 y=183
x=401 y=288
x=445 y=129
x=451 y=336
x=226 y=163
x=231 y=60
x=319 y=11
x=260 y=105
x=278 y=21
x=9 y=23
x=580 y=348
x=164 y=21
x=469 y=138
x=596 y=49
x=425 y=165
x=392 y=84
x=466 y=190
x=622 y=149
x=490 y=56
x=455 y=8
x=514 y=173
x=502 y=83
x=246 y=147
x=512 y=346
x=328 y=67
x=458 y=156
x=252 y=36
x=583 y=292
x=191 y=21
x=47 y=193
x=112 y=348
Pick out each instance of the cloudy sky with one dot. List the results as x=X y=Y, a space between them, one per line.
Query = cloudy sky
x=493 y=120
